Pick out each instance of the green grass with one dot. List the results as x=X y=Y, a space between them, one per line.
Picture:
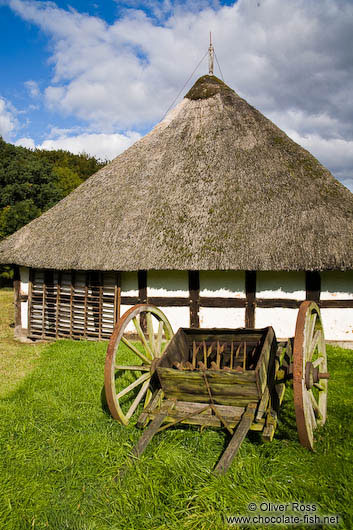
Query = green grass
x=60 y=453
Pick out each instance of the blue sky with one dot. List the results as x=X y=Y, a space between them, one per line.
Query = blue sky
x=96 y=75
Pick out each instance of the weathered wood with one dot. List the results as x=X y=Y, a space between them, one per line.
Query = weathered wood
x=218 y=301
x=289 y=303
x=238 y=437
x=168 y=301
x=261 y=409
x=339 y=304
x=226 y=388
x=184 y=417
x=149 y=433
x=268 y=349
x=44 y=301
x=250 y=291
x=313 y=285
x=224 y=335
x=85 y=304
x=17 y=301
x=194 y=291
x=117 y=297
x=177 y=350
x=100 y=306
x=153 y=406
x=30 y=292
x=198 y=414
x=142 y=287
x=270 y=427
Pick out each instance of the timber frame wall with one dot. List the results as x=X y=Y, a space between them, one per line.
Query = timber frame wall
x=86 y=304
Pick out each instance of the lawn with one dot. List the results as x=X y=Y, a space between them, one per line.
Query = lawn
x=60 y=452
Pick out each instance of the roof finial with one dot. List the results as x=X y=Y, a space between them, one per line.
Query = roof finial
x=210 y=56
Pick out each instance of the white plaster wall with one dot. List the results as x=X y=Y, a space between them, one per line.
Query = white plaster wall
x=282 y=320
x=285 y=285
x=222 y=317
x=281 y=285
x=179 y=317
x=168 y=283
x=337 y=285
x=24 y=277
x=129 y=287
x=129 y=284
x=338 y=324
x=173 y=284
x=222 y=283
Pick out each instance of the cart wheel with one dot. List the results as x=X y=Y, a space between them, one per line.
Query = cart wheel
x=309 y=373
x=128 y=371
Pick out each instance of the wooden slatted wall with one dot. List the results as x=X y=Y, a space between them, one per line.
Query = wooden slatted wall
x=73 y=304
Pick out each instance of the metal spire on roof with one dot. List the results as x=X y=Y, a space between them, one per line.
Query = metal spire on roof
x=210 y=56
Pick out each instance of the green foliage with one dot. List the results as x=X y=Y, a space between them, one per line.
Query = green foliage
x=67 y=179
x=31 y=182
x=60 y=454
x=13 y=217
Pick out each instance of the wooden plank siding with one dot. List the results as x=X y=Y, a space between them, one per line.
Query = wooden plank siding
x=76 y=305
x=86 y=304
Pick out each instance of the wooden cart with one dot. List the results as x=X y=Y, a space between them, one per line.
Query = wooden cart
x=222 y=378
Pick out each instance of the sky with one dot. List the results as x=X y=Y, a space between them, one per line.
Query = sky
x=95 y=75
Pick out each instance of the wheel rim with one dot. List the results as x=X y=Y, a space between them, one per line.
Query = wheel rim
x=123 y=399
x=309 y=368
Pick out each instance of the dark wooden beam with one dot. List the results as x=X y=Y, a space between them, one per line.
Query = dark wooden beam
x=313 y=285
x=142 y=287
x=164 y=301
x=117 y=297
x=129 y=300
x=30 y=290
x=209 y=301
x=339 y=304
x=278 y=302
x=250 y=291
x=194 y=290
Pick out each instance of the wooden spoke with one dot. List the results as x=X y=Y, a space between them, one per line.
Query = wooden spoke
x=135 y=350
x=142 y=337
x=159 y=337
x=309 y=353
x=318 y=361
x=314 y=343
x=126 y=357
x=150 y=332
x=315 y=405
x=133 y=385
x=135 y=368
x=137 y=399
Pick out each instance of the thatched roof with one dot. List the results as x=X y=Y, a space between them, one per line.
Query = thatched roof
x=216 y=185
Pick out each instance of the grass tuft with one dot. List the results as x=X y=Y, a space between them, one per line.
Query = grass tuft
x=61 y=452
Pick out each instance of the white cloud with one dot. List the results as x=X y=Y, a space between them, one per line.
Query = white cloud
x=33 y=89
x=335 y=153
x=8 y=121
x=26 y=142
x=103 y=146
x=292 y=60
x=279 y=54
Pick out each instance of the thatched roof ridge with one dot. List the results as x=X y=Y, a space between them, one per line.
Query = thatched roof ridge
x=216 y=185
